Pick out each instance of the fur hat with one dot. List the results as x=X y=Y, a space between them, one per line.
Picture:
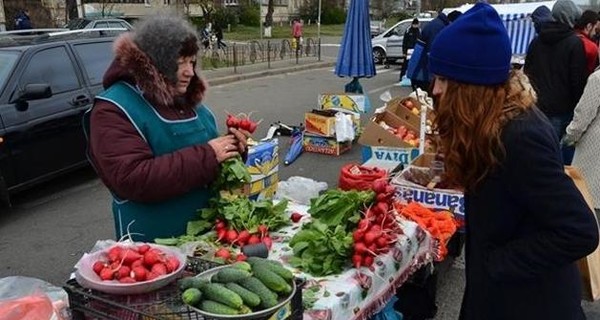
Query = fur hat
x=164 y=39
x=474 y=49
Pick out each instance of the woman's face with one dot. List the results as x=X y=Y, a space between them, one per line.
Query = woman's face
x=440 y=84
x=185 y=72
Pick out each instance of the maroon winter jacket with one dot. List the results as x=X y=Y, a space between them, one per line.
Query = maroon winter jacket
x=122 y=158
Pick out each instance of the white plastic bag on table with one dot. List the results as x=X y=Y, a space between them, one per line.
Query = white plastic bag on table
x=299 y=189
x=344 y=129
x=25 y=298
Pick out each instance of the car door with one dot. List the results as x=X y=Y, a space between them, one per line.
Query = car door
x=94 y=59
x=394 y=41
x=45 y=135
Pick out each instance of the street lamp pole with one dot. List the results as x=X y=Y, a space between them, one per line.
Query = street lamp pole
x=319 y=30
x=260 y=18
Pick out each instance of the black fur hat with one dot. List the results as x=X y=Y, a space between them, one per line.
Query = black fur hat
x=164 y=39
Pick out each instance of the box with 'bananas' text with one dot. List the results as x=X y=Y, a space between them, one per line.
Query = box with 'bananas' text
x=263 y=165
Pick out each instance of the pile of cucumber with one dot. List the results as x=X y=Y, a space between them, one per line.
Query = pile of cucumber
x=242 y=288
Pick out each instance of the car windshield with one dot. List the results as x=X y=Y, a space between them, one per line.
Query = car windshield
x=8 y=60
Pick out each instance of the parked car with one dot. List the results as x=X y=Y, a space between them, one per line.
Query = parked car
x=95 y=23
x=387 y=47
x=45 y=88
x=377 y=27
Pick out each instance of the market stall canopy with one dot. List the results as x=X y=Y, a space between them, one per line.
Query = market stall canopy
x=355 y=58
x=517 y=20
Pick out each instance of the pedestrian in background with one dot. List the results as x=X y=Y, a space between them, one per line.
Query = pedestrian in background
x=585 y=27
x=297 y=33
x=219 y=36
x=556 y=65
x=527 y=224
x=22 y=20
x=409 y=40
x=151 y=140
x=584 y=133
x=539 y=16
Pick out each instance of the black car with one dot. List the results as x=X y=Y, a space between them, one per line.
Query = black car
x=45 y=88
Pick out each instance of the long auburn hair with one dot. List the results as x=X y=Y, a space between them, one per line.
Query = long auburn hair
x=470 y=119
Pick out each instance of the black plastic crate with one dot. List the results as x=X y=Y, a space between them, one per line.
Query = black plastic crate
x=162 y=304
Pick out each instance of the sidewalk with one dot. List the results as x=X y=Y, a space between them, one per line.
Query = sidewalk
x=221 y=76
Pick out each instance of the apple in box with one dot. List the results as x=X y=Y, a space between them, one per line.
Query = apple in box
x=408 y=104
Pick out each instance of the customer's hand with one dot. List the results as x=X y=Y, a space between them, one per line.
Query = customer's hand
x=567 y=140
x=225 y=147
x=241 y=137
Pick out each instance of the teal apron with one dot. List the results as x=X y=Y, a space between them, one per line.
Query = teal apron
x=147 y=221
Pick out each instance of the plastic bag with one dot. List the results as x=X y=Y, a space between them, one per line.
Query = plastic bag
x=344 y=129
x=24 y=298
x=388 y=312
x=299 y=189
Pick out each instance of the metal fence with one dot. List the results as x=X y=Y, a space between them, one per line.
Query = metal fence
x=239 y=54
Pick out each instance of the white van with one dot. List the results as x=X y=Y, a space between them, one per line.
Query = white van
x=387 y=46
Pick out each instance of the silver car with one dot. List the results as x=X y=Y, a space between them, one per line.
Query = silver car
x=387 y=46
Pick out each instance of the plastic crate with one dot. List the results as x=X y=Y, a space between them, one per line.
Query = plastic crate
x=162 y=304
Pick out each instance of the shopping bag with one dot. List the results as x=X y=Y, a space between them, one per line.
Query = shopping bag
x=589 y=267
x=416 y=70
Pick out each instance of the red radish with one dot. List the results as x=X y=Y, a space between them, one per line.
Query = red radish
x=372 y=248
x=381 y=197
x=296 y=217
x=221 y=234
x=223 y=253
x=363 y=224
x=127 y=280
x=389 y=189
x=241 y=257
x=357 y=260
x=137 y=263
x=370 y=237
x=139 y=273
x=232 y=121
x=252 y=127
x=358 y=235
x=245 y=124
x=122 y=272
x=359 y=248
x=143 y=248
x=98 y=266
x=231 y=236
x=379 y=185
x=382 y=207
x=375 y=228
x=114 y=253
x=254 y=239
x=382 y=242
x=152 y=257
x=368 y=261
x=129 y=256
x=172 y=264
x=268 y=242
x=263 y=229
x=107 y=274
x=243 y=237
x=159 y=268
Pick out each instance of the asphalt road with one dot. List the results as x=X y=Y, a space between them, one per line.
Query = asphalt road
x=51 y=226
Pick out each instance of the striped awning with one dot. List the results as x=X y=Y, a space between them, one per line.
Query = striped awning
x=520 y=31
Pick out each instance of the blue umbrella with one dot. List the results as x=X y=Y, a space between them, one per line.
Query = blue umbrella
x=355 y=58
x=296 y=147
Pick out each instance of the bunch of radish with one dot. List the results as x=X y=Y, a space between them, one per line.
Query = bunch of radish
x=241 y=121
x=134 y=263
x=378 y=230
x=239 y=238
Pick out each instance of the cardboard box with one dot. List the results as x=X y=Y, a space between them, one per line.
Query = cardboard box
x=395 y=107
x=319 y=124
x=263 y=165
x=388 y=156
x=438 y=199
x=376 y=135
x=357 y=103
x=325 y=145
x=264 y=188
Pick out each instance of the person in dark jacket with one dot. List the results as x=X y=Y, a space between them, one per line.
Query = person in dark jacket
x=408 y=42
x=22 y=20
x=151 y=140
x=428 y=34
x=219 y=35
x=556 y=65
x=527 y=224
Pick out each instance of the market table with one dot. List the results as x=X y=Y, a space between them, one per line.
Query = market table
x=357 y=294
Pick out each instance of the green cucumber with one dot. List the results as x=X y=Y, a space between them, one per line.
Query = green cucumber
x=274 y=266
x=191 y=296
x=268 y=298
x=242 y=265
x=250 y=298
x=217 y=292
x=217 y=308
x=272 y=280
x=231 y=275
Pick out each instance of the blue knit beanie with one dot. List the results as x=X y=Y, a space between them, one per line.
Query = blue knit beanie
x=474 y=49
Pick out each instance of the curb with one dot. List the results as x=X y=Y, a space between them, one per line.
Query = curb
x=265 y=73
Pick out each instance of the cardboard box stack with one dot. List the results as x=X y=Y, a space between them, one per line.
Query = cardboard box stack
x=320 y=135
x=263 y=164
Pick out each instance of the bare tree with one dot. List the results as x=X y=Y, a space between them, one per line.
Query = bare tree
x=207 y=6
x=106 y=7
x=269 y=15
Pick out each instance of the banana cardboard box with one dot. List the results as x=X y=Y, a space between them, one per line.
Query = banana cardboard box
x=263 y=164
x=325 y=145
x=355 y=103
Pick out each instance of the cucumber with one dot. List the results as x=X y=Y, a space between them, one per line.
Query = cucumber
x=231 y=275
x=271 y=279
x=250 y=298
x=274 y=266
x=185 y=283
x=218 y=293
x=268 y=298
x=242 y=265
x=217 y=308
x=191 y=296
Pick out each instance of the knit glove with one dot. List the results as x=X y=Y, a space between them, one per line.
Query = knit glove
x=567 y=140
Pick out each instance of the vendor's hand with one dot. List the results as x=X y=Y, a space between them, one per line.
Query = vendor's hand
x=225 y=147
x=242 y=138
